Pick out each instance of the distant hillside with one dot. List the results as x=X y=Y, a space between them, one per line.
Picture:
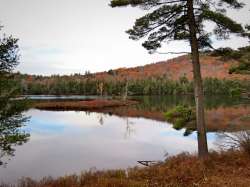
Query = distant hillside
x=173 y=69
x=224 y=72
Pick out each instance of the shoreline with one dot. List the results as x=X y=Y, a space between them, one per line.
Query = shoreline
x=226 y=168
x=232 y=116
x=93 y=104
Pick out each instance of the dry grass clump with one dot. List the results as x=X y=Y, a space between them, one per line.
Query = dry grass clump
x=230 y=168
x=236 y=140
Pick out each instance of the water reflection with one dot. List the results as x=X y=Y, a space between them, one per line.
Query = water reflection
x=11 y=122
x=68 y=142
x=222 y=113
x=130 y=130
x=164 y=103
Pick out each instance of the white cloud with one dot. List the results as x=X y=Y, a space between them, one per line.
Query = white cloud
x=82 y=34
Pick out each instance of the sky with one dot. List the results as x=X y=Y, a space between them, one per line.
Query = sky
x=74 y=36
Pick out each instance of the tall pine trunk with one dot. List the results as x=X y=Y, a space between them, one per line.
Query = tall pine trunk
x=198 y=87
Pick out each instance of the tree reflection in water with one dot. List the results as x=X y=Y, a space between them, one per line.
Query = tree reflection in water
x=11 y=123
x=129 y=128
x=11 y=117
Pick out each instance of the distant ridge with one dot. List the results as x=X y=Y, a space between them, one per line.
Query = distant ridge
x=175 y=68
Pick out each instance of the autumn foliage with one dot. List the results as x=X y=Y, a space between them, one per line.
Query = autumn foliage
x=212 y=67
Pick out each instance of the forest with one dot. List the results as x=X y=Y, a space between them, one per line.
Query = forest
x=153 y=86
x=113 y=84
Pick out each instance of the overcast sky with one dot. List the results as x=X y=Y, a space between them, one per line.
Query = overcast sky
x=72 y=36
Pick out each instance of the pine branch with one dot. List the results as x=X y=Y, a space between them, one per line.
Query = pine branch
x=145 y=3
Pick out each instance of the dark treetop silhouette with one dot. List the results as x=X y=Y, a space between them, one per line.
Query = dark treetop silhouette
x=184 y=20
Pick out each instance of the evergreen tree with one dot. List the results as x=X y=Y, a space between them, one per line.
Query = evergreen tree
x=11 y=117
x=184 y=20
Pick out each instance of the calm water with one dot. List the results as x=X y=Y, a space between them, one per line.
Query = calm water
x=70 y=142
x=62 y=97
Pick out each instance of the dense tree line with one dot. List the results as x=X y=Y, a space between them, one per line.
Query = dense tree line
x=151 y=86
x=89 y=84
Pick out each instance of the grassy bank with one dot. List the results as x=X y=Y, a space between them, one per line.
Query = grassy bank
x=230 y=168
x=82 y=105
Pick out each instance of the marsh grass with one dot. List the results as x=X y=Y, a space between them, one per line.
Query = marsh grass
x=82 y=105
x=236 y=141
x=231 y=168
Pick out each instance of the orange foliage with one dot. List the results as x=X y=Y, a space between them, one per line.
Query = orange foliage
x=176 y=68
x=82 y=105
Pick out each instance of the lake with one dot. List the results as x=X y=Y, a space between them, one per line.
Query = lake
x=67 y=142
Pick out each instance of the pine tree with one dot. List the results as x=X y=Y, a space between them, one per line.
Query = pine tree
x=170 y=20
x=11 y=117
